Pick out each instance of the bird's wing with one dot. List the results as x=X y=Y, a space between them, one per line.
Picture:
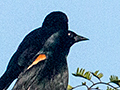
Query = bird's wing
x=27 y=77
x=40 y=57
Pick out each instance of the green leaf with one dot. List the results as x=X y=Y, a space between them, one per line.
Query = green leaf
x=83 y=83
x=97 y=88
x=96 y=72
x=87 y=75
x=69 y=87
x=82 y=73
x=81 y=69
x=108 y=88
x=100 y=75
x=114 y=79
x=77 y=70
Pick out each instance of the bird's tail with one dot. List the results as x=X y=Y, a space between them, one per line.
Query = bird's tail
x=5 y=81
x=9 y=76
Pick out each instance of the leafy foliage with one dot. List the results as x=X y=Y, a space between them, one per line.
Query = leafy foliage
x=82 y=73
x=114 y=79
x=108 y=88
x=100 y=75
x=88 y=75
x=69 y=87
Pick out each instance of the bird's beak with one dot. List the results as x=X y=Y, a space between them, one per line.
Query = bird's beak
x=80 y=38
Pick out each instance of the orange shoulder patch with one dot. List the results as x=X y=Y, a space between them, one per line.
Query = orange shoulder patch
x=41 y=57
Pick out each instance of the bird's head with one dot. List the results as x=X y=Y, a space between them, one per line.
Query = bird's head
x=57 y=20
x=61 y=41
x=72 y=38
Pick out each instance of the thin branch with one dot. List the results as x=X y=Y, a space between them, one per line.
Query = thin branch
x=80 y=86
x=103 y=83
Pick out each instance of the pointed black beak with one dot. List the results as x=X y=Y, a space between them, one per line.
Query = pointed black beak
x=80 y=38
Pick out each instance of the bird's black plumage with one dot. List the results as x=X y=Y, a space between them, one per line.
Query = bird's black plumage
x=31 y=44
x=52 y=72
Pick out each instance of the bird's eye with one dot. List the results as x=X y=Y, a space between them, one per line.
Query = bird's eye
x=70 y=35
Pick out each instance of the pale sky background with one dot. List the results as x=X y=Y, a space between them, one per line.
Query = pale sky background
x=99 y=20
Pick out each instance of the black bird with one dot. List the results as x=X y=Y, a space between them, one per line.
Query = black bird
x=31 y=44
x=49 y=70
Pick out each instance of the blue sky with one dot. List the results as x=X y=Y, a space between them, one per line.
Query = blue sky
x=99 y=20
